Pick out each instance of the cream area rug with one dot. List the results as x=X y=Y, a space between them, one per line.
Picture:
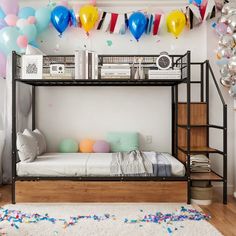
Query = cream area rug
x=111 y=219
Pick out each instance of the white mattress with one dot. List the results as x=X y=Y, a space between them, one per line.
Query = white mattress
x=81 y=164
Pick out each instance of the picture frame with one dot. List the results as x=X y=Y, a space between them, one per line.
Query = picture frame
x=32 y=67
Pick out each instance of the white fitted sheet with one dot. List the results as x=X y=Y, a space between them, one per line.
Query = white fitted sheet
x=81 y=164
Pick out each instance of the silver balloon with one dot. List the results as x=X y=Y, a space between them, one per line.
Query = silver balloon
x=226 y=82
x=224 y=71
x=227 y=41
x=224 y=52
x=228 y=7
x=232 y=65
x=232 y=22
x=223 y=19
x=232 y=91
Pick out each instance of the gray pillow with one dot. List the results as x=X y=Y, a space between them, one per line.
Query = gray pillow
x=39 y=139
x=27 y=147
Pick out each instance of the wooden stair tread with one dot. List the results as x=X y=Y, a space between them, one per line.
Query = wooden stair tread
x=205 y=176
x=200 y=149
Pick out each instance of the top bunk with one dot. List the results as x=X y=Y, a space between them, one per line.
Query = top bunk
x=106 y=70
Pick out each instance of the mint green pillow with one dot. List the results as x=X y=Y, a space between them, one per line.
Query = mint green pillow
x=123 y=141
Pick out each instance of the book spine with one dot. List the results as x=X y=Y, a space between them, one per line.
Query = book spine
x=80 y=64
x=86 y=64
x=96 y=65
x=90 y=65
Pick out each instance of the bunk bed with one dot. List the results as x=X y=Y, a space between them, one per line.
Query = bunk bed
x=95 y=187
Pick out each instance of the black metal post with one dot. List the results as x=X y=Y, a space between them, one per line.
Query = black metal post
x=14 y=151
x=202 y=82
x=207 y=101
x=176 y=121
x=189 y=126
x=33 y=107
x=225 y=155
x=173 y=126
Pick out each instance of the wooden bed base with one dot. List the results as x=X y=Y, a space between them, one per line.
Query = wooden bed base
x=75 y=191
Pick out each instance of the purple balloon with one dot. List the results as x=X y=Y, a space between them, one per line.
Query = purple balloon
x=2 y=23
x=101 y=146
x=3 y=64
x=10 y=6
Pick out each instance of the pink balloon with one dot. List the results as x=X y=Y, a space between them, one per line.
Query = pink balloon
x=10 y=6
x=63 y=3
x=22 y=41
x=93 y=2
x=31 y=20
x=3 y=64
x=221 y=28
x=11 y=19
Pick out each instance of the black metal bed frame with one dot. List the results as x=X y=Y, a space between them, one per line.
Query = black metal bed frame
x=181 y=61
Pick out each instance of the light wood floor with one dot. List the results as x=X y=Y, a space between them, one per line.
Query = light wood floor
x=223 y=216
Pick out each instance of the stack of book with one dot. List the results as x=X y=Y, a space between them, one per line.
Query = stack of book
x=115 y=71
x=200 y=163
x=164 y=74
x=86 y=65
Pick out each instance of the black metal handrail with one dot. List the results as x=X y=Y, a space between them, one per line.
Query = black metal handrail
x=216 y=84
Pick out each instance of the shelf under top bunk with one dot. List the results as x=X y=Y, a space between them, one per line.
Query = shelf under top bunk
x=103 y=82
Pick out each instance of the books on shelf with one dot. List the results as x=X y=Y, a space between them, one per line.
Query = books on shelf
x=115 y=71
x=86 y=65
x=164 y=74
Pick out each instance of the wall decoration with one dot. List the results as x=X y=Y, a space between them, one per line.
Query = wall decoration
x=21 y=27
x=226 y=52
x=32 y=67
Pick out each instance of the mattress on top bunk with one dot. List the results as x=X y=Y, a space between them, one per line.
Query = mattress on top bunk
x=91 y=164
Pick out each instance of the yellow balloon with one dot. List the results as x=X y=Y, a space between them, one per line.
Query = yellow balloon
x=176 y=22
x=88 y=17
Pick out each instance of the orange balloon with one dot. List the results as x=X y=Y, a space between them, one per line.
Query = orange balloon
x=86 y=145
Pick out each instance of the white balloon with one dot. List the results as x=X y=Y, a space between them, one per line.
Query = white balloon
x=224 y=71
x=232 y=65
x=226 y=82
x=224 y=52
x=228 y=7
x=227 y=41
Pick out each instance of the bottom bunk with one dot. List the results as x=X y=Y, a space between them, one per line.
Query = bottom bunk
x=101 y=191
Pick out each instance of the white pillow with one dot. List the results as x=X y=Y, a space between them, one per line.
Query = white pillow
x=39 y=139
x=27 y=147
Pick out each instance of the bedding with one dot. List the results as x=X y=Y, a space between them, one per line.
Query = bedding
x=92 y=164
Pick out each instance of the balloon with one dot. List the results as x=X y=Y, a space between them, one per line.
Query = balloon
x=232 y=65
x=198 y=2
x=10 y=6
x=73 y=18
x=223 y=19
x=226 y=81
x=176 y=22
x=224 y=52
x=221 y=28
x=232 y=91
x=2 y=23
x=21 y=23
x=43 y=16
x=225 y=71
x=8 y=37
x=3 y=64
x=22 y=41
x=88 y=17
x=11 y=19
x=63 y=3
x=60 y=18
x=232 y=22
x=2 y=14
x=29 y=31
x=137 y=24
x=26 y=12
x=227 y=41
x=31 y=20
x=229 y=7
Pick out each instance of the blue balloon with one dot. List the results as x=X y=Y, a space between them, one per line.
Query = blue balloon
x=42 y=16
x=2 y=14
x=60 y=18
x=137 y=24
x=198 y=2
x=73 y=19
x=8 y=40
x=26 y=12
x=30 y=32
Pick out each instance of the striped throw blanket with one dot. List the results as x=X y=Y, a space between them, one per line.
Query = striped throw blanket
x=133 y=163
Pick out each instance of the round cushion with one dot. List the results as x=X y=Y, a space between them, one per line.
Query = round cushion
x=68 y=146
x=86 y=145
x=101 y=146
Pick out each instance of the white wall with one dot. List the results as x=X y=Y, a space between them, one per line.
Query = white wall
x=92 y=112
